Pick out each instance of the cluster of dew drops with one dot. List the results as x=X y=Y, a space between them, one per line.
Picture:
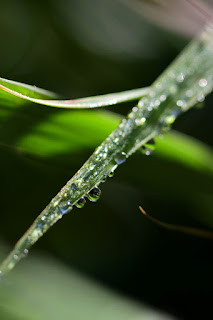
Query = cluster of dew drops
x=94 y=194
x=147 y=149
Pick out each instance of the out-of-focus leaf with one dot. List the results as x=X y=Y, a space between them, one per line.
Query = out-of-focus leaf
x=35 y=95
x=43 y=289
x=180 y=148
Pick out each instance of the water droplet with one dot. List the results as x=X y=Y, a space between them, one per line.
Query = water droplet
x=157 y=102
x=179 y=103
x=81 y=202
x=146 y=150
x=180 y=77
x=120 y=158
x=65 y=207
x=151 y=141
x=111 y=174
x=173 y=89
x=15 y=256
x=140 y=121
x=189 y=93
x=116 y=140
x=94 y=194
x=172 y=117
x=26 y=251
x=104 y=179
x=201 y=98
x=39 y=225
x=203 y=83
x=163 y=97
x=148 y=147
x=135 y=109
x=73 y=186
x=55 y=202
x=43 y=218
x=123 y=122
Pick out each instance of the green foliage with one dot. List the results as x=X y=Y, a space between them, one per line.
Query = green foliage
x=42 y=147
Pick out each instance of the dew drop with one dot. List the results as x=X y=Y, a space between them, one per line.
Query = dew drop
x=157 y=102
x=172 y=117
x=151 y=141
x=116 y=140
x=148 y=147
x=180 y=77
x=65 y=207
x=120 y=158
x=111 y=174
x=173 y=89
x=201 y=98
x=140 y=121
x=203 y=83
x=73 y=186
x=163 y=97
x=39 y=225
x=189 y=93
x=81 y=202
x=94 y=194
x=104 y=179
x=179 y=103
x=146 y=150
x=26 y=251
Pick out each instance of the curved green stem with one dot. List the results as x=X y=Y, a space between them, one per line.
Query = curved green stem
x=43 y=97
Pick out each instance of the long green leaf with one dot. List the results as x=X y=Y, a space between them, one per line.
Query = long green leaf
x=36 y=95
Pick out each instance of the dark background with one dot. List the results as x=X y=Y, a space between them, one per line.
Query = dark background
x=82 y=48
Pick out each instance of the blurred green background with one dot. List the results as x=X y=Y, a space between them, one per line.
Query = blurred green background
x=84 y=48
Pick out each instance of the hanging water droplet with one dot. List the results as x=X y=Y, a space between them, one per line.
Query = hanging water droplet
x=81 y=202
x=94 y=194
x=111 y=174
x=120 y=158
x=146 y=150
x=65 y=207
x=104 y=179
x=201 y=98
x=148 y=147
x=151 y=141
